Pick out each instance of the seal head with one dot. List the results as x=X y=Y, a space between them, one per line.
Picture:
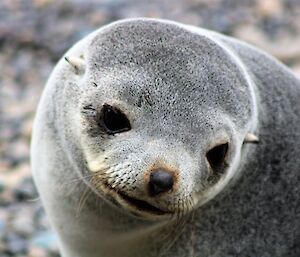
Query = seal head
x=163 y=116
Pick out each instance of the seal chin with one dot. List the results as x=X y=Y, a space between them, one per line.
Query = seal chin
x=141 y=208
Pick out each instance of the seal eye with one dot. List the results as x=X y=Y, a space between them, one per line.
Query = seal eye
x=113 y=120
x=216 y=157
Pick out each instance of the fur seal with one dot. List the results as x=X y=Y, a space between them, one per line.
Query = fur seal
x=145 y=144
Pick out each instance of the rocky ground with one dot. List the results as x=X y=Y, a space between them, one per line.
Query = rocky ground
x=33 y=36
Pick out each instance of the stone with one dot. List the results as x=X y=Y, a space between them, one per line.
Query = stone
x=45 y=240
x=26 y=190
x=16 y=245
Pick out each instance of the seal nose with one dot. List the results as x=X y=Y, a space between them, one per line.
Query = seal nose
x=160 y=181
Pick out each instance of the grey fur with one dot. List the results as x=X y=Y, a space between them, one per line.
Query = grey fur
x=184 y=90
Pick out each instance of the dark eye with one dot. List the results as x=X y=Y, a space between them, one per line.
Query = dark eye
x=216 y=157
x=113 y=120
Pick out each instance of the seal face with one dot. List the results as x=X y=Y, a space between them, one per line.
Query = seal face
x=164 y=113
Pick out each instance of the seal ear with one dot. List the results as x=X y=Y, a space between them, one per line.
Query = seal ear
x=77 y=63
x=251 y=138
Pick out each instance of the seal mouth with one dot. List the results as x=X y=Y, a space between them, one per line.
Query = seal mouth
x=141 y=205
x=135 y=206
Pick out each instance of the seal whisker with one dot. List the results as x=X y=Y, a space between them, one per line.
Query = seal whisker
x=77 y=180
x=82 y=201
x=184 y=208
x=180 y=210
x=121 y=181
x=189 y=203
x=174 y=235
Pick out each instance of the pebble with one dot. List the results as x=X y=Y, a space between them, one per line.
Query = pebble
x=2 y=185
x=22 y=223
x=37 y=252
x=269 y=8
x=2 y=226
x=46 y=240
x=26 y=190
x=16 y=245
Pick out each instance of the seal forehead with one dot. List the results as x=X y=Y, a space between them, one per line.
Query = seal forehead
x=141 y=42
x=166 y=66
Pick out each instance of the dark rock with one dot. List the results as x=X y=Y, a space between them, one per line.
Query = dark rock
x=16 y=245
x=26 y=190
x=2 y=186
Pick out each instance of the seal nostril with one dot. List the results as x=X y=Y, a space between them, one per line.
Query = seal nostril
x=160 y=181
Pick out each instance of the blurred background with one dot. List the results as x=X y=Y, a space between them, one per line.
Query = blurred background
x=34 y=34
